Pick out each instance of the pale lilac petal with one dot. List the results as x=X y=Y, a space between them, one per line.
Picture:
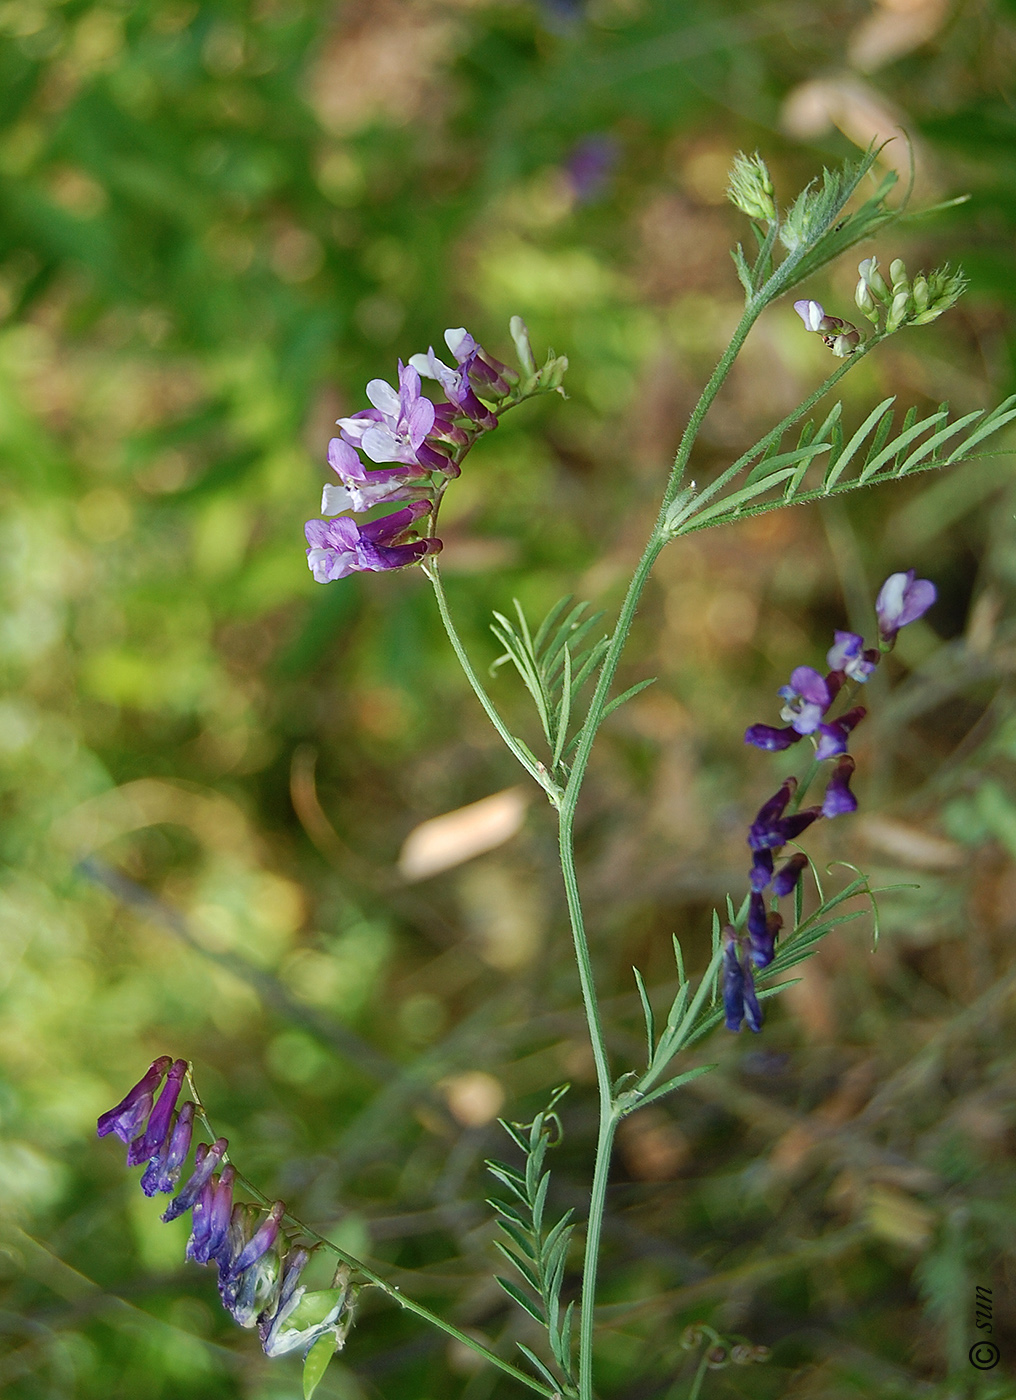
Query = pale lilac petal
x=384 y=398
x=812 y=313
x=460 y=343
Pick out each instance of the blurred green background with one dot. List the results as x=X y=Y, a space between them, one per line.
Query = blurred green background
x=217 y=221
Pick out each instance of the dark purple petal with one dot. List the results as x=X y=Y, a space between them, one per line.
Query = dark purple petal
x=389 y=527
x=763 y=929
x=766 y=830
x=200 y=1222
x=733 y=983
x=767 y=736
x=739 y=1000
x=786 y=879
x=132 y=1111
x=791 y=827
x=151 y=1142
x=838 y=798
x=761 y=869
x=206 y=1159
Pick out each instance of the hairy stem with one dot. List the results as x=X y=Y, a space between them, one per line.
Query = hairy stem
x=430 y=568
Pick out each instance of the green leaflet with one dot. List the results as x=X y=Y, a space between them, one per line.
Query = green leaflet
x=540 y=1253
x=554 y=664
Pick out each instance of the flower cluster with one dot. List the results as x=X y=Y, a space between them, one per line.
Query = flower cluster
x=417 y=447
x=259 y=1268
x=808 y=699
x=901 y=302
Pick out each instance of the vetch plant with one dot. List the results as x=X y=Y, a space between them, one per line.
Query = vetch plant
x=398 y=457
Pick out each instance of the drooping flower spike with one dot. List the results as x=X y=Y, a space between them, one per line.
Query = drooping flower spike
x=808 y=698
x=419 y=446
x=258 y=1267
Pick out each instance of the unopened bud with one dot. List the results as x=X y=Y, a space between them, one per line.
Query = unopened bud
x=898 y=273
x=921 y=292
x=751 y=187
x=869 y=273
x=899 y=310
x=520 y=335
x=866 y=302
x=553 y=372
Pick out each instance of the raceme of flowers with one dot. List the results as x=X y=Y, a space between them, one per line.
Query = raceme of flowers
x=417 y=447
x=887 y=305
x=259 y=1267
x=808 y=700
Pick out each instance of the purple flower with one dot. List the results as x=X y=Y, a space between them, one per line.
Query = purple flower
x=763 y=930
x=163 y=1170
x=212 y=1213
x=767 y=736
x=739 y=1000
x=834 y=735
x=589 y=165
x=838 y=798
x=849 y=656
x=341 y=547
x=808 y=696
x=771 y=829
x=901 y=599
x=259 y=1243
x=206 y=1159
x=151 y=1142
x=761 y=869
x=362 y=489
x=396 y=428
x=785 y=882
x=132 y=1111
x=247 y=1292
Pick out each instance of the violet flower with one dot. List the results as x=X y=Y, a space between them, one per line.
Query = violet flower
x=848 y=655
x=337 y=548
x=902 y=599
x=395 y=429
x=771 y=829
x=151 y=1142
x=211 y=1217
x=163 y=1170
x=838 y=798
x=808 y=696
x=763 y=930
x=834 y=735
x=362 y=489
x=206 y=1159
x=133 y=1109
x=739 y=1000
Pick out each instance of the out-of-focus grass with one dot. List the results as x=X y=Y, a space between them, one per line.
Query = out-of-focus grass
x=217 y=223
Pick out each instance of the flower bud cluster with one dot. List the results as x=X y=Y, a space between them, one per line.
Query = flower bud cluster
x=751 y=187
x=902 y=302
x=418 y=446
x=259 y=1268
x=808 y=699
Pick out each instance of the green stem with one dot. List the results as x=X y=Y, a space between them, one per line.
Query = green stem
x=375 y=1279
x=430 y=568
